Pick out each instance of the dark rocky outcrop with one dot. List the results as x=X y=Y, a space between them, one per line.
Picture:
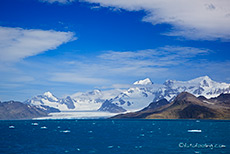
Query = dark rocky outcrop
x=48 y=109
x=107 y=106
x=155 y=105
x=222 y=99
x=13 y=110
x=144 y=112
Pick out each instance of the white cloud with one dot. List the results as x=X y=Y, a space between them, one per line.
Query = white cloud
x=18 y=43
x=164 y=56
x=59 y=1
x=192 y=19
x=117 y=65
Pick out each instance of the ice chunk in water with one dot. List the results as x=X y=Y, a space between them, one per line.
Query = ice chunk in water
x=11 y=127
x=195 y=131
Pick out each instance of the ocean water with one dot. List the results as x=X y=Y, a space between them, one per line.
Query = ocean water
x=114 y=136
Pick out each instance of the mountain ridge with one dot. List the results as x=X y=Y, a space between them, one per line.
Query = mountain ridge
x=138 y=96
x=185 y=106
x=13 y=110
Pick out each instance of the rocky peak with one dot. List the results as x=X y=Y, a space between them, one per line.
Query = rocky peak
x=204 y=81
x=94 y=92
x=169 y=83
x=48 y=94
x=184 y=98
x=68 y=98
x=68 y=101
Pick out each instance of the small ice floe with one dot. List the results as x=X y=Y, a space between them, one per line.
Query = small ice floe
x=142 y=134
x=138 y=147
x=44 y=127
x=194 y=131
x=90 y=131
x=110 y=147
x=151 y=131
x=11 y=127
x=222 y=146
x=65 y=131
x=34 y=124
x=78 y=149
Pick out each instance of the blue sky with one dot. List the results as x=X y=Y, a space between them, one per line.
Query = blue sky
x=66 y=46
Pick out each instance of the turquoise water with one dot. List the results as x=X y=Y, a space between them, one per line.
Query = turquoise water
x=114 y=136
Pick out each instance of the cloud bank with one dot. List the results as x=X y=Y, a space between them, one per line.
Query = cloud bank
x=58 y=1
x=18 y=43
x=191 y=19
x=118 y=65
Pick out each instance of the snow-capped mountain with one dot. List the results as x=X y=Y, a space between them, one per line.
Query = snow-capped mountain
x=48 y=99
x=146 y=81
x=91 y=100
x=202 y=86
x=144 y=92
x=140 y=94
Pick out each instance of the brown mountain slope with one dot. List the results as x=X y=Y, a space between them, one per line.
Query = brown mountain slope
x=15 y=110
x=184 y=106
x=144 y=112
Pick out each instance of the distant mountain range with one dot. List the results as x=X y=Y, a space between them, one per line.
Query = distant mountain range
x=144 y=91
x=143 y=96
x=135 y=98
x=185 y=106
x=91 y=100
